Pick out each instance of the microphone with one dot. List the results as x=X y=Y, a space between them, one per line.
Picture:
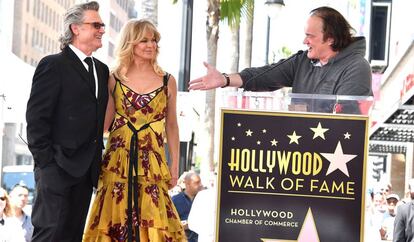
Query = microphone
x=271 y=68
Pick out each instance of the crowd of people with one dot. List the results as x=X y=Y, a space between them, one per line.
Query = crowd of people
x=386 y=214
x=196 y=205
x=189 y=195
x=15 y=223
x=135 y=102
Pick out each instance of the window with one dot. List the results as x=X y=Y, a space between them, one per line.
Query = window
x=380 y=33
x=38 y=10
x=33 y=37
x=111 y=49
x=34 y=8
x=47 y=15
x=23 y=159
x=53 y=20
x=37 y=38
x=115 y=22
x=26 y=34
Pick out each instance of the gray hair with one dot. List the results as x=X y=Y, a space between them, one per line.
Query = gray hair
x=74 y=15
x=190 y=175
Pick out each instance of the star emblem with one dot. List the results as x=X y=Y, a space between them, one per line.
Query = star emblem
x=258 y=142
x=274 y=142
x=264 y=131
x=238 y=124
x=338 y=160
x=233 y=138
x=249 y=132
x=347 y=135
x=308 y=232
x=319 y=131
x=294 y=138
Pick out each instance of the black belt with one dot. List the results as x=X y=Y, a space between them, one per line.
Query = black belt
x=133 y=182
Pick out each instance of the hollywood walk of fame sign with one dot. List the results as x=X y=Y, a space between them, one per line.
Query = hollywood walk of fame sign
x=288 y=176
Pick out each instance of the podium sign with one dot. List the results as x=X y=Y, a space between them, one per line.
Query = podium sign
x=289 y=176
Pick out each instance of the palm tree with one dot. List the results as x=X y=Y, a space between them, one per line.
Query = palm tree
x=212 y=30
x=232 y=11
x=207 y=134
x=149 y=10
x=249 y=33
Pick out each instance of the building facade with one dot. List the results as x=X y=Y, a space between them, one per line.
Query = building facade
x=36 y=29
x=38 y=25
x=31 y=32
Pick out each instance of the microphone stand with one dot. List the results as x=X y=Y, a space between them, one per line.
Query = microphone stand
x=272 y=67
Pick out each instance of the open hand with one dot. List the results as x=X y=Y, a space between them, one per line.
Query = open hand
x=212 y=79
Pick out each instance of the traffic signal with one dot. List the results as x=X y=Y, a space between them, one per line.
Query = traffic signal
x=378 y=168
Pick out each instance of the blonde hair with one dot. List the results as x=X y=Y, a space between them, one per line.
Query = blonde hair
x=131 y=34
x=7 y=208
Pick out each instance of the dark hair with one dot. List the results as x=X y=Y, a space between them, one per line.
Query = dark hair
x=335 y=26
x=20 y=184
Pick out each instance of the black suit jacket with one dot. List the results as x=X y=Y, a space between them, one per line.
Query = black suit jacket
x=64 y=117
x=404 y=223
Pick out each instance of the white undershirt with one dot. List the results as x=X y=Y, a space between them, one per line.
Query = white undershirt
x=82 y=57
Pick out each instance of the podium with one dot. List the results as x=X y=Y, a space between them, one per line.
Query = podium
x=292 y=167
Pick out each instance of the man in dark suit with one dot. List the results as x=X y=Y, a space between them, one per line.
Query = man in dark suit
x=65 y=115
x=404 y=221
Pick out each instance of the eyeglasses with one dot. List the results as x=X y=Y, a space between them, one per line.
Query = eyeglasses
x=96 y=25
x=384 y=190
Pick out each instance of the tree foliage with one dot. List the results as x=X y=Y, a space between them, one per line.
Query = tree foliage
x=231 y=11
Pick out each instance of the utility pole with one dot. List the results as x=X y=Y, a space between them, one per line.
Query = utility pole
x=184 y=74
x=186 y=35
x=2 y=101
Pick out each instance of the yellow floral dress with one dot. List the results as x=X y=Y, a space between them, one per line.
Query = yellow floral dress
x=135 y=143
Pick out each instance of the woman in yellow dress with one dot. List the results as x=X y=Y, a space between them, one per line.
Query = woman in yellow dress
x=141 y=109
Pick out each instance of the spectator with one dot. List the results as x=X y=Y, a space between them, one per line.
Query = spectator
x=380 y=202
x=9 y=232
x=404 y=221
x=184 y=200
x=387 y=189
x=203 y=212
x=384 y=188
x=19 y=197
x=370 y=230
x=179 y=187
x=408 y=196
x=387 y=225
x=378 y=211
x=3 y=203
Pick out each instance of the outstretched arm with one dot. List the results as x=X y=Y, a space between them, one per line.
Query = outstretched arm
x=214 y=79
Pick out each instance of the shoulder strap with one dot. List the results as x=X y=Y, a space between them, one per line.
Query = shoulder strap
x=166 y=78
x=117 y=82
